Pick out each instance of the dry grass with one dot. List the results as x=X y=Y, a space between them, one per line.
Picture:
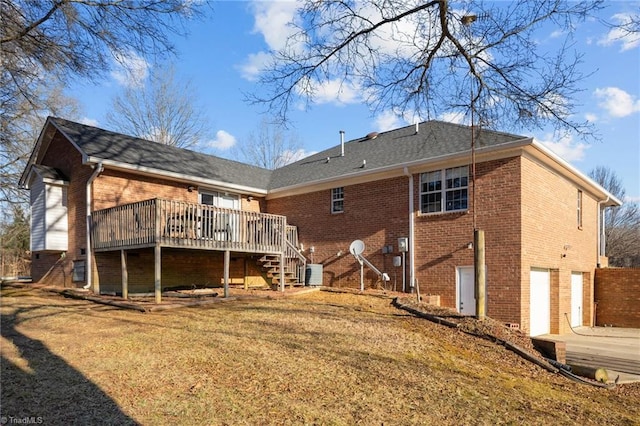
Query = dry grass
x=319 y=358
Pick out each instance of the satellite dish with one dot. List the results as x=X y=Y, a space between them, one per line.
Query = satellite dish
x=356 y=248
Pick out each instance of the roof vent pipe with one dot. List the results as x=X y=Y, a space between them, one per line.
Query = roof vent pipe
x=417 y=127
x=342 y=143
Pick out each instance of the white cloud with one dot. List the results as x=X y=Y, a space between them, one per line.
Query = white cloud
x=335 y=91
x=565 y=148
x=273 y=19
x=129 y=69
x=89 y=121
x=289 y=157
x=223 y=140
x=591 y=117
x=556 y=34
x=617 y=102
x=618 y=34
x=453 y=117
x=254 y=65
x=388 y=120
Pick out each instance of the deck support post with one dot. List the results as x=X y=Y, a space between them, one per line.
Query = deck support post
x=157 y=256
x=125 y=274
x=282 y=265
x=227 y=258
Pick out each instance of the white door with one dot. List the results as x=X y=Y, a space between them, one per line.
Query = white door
x=466 y=290
x=539 y=302
x=576 y=299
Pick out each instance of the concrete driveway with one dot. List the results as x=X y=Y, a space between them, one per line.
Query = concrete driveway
x=615 y=349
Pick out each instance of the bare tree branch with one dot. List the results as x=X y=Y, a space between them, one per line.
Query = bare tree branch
x=164 y=111
x=622 y=224
x=429 y=58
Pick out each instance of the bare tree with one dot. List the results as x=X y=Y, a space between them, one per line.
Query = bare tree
x=67 y=38
x=164 y=111
x=622 y=224
x=56 y=40
x=425 y=58
x=20 y=125
x=271 y=146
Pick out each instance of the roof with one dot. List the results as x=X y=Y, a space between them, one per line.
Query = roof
x=102 y=145
x=433 y=139
x=425 y=143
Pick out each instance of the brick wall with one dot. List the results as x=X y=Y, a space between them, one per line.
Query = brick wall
x=441 y=241
x=617 y=295
x=377 y=213
x=551 y=239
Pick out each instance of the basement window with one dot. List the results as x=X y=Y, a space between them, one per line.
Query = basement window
x=337 y=200
x=444 y=190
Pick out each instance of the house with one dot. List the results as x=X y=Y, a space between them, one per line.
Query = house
x=124 y=215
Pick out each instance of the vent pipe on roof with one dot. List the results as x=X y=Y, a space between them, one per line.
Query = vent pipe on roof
x=341 y=143
x=417 y=127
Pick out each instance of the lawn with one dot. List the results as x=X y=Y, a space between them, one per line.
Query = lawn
x=317 y=358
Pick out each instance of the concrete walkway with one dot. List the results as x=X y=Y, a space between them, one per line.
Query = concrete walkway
x=615 y=349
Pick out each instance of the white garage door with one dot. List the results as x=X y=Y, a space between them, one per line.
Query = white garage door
x=576 y=299
x=540 y=302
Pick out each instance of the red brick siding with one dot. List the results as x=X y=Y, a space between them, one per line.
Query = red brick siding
x=375 y=212
x=551 y=239
x=617 y=294
x=442 y=240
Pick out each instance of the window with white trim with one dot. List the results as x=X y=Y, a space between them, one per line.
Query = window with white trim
x=445 y=190
x=337 y=200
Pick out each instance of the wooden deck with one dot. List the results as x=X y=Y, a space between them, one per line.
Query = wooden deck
x=186 y=225
x=161 y=223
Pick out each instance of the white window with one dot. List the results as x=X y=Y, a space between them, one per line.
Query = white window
x=219 y=199
x=337 y=200
x=444 y=190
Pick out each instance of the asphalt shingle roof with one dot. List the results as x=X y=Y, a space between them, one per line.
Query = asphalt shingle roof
x=107 y=145
x=396 y=147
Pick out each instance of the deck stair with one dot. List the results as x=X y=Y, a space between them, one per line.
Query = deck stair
x=270 y=264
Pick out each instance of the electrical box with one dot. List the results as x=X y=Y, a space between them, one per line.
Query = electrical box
x=397 y=261
x=403 y=244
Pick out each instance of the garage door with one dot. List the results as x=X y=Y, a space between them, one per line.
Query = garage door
x=540 y=302
x=576 y=299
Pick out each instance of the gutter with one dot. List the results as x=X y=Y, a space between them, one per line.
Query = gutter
x=97 y=169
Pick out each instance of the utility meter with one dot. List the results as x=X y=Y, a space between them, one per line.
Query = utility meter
x=403 y=244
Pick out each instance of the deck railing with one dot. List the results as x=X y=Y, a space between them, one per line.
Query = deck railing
x=187 y=225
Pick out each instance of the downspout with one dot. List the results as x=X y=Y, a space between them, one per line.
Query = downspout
x=599 y=253
x=411 y=230
x=97 y=169
x=601 y=224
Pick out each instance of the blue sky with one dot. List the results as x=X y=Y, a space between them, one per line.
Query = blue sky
x=223 y=54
